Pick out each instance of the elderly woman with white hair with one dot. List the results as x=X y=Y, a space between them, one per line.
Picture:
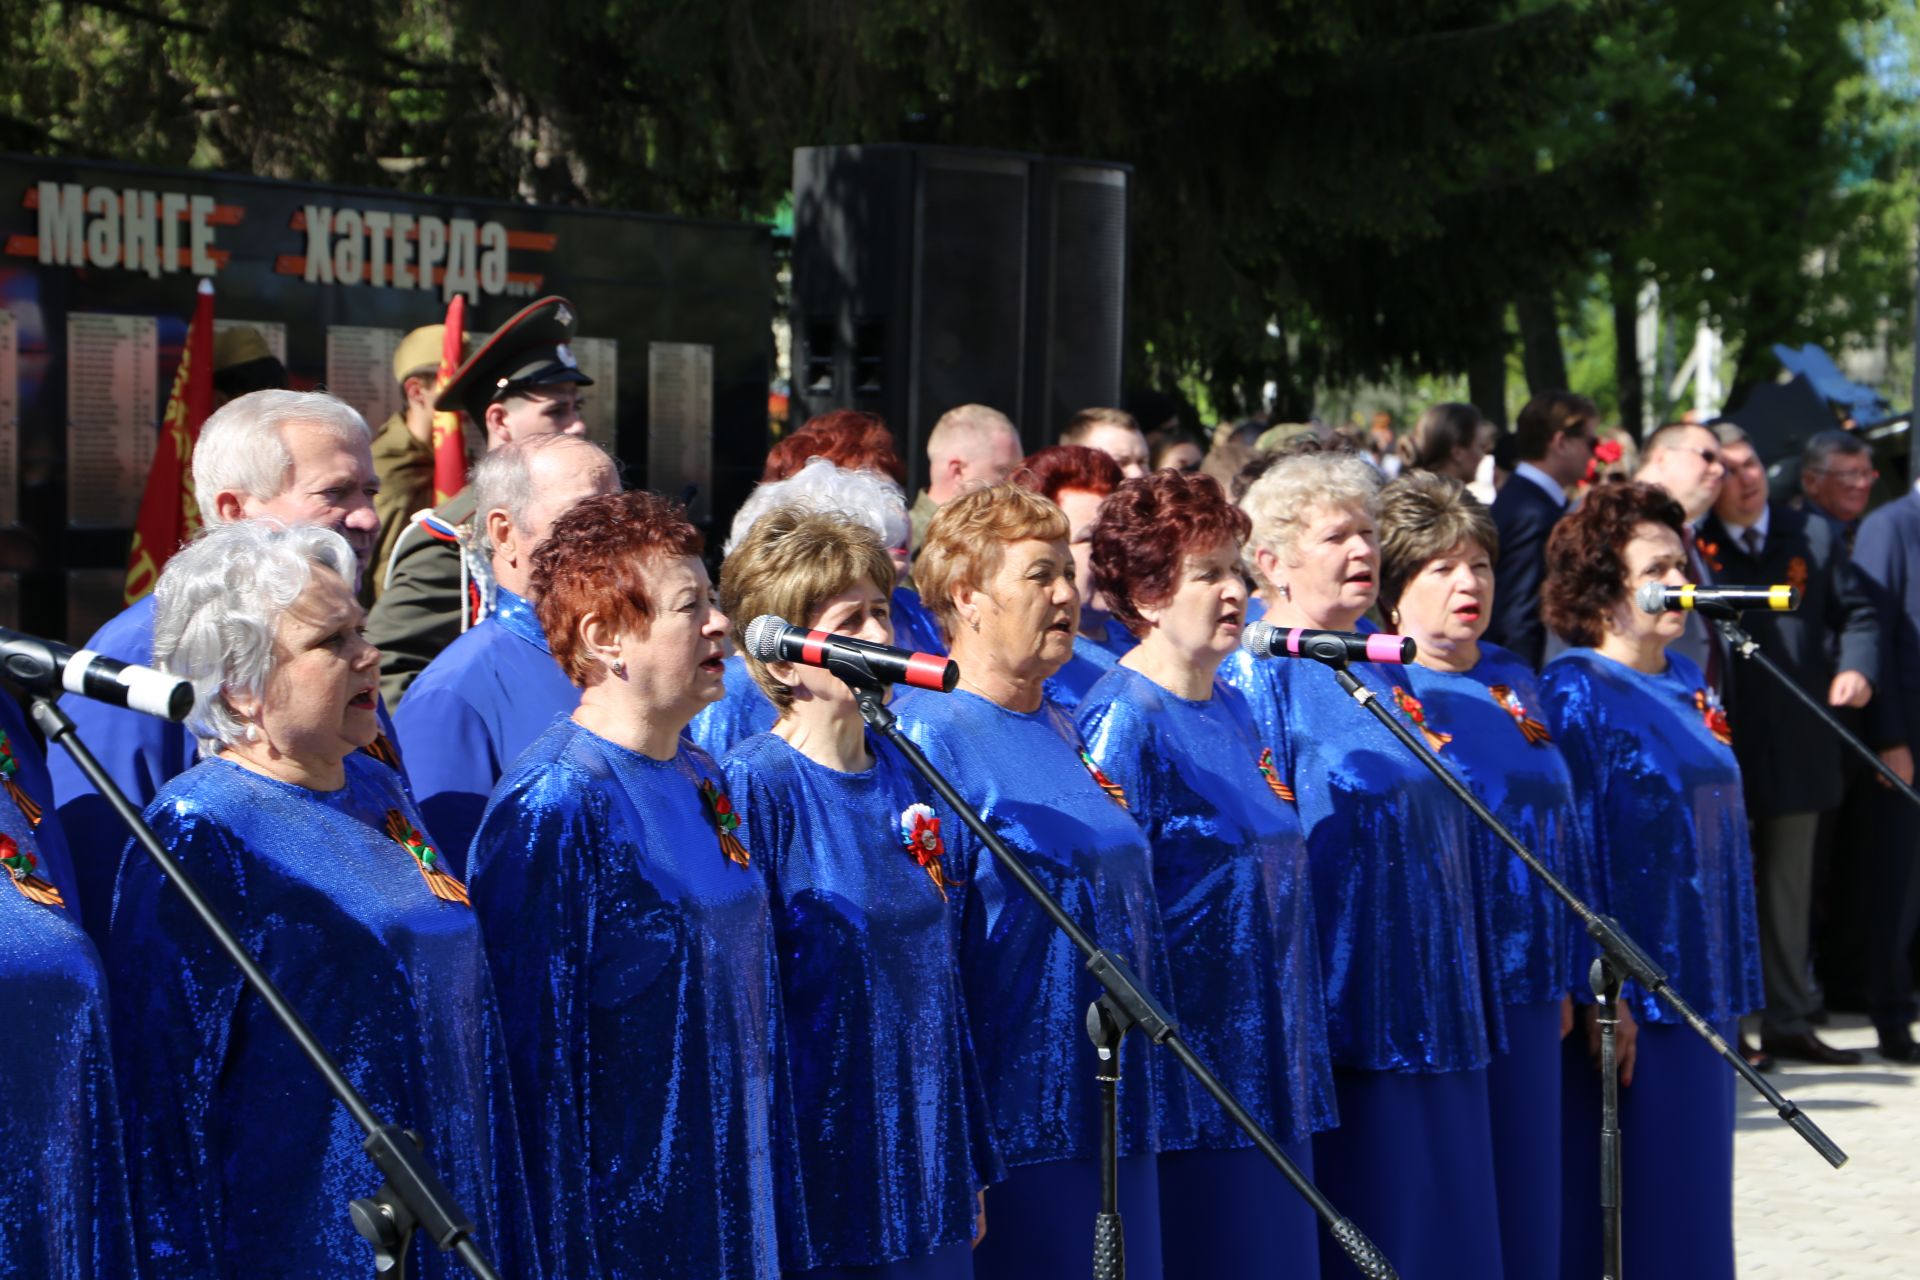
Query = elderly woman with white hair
x=864 y=498
x=1412 y=1160
x=315 y=853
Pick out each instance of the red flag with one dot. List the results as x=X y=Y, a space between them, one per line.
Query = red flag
x=449 y=442
x=169 y=511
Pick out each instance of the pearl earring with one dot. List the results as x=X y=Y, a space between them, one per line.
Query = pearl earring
x=619 y=669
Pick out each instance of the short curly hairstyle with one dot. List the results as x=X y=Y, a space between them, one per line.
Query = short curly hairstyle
x=1287 y=496
x=1148 y=527
x=968 y=537
x=1586 y=572
x=1424 y=515
x=1055 y=469
x=846 y=438
x=595 y=560
x=792 y=561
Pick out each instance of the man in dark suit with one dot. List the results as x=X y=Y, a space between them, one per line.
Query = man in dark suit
x=1790 y=763
x=1554 y=438
x=1887 y=556
x=1684 y=459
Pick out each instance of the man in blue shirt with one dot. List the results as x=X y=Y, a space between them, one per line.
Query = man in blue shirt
x=496 y=688
x=295 y=456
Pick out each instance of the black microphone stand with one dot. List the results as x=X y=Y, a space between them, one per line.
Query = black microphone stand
x=412 y=1197
x=1621 y=957
x=1125 y=1005
x=1747 y=647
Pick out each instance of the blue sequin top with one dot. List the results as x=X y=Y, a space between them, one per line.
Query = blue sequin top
x=241 y=1161
x=1502 y=749
x=741 y=712
x=1090 y=660
x=1026 y=987
x=1392 y=875
x=63 y=1203
x=1230 y=865
x=896 y=1138
x=914 y=626
x=634 y=958
x=1669 y=853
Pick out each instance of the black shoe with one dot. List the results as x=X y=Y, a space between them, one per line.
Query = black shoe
x=1896 y=1045
x=1757 y=1059
x=1808 y=1047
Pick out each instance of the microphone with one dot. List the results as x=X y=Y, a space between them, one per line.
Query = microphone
x=1656 y=597
x=46 y=667
x=1336 y=648
x=771 y=638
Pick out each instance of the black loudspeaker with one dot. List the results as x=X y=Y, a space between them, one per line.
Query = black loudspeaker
x=929 y=277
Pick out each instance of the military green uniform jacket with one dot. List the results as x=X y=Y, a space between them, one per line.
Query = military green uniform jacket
x=405 y=468
x=421 y=606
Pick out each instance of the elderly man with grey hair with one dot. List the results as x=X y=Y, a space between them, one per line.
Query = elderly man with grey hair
x=295 y=456
x=317 y=853
x=496 y=688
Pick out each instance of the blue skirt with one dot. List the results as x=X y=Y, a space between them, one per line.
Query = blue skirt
x=1676 y=1159
x=1231 y=1213
x=955 y=1262
x=1412 y=1165
x=1040 y=1220
x=1523 y=1088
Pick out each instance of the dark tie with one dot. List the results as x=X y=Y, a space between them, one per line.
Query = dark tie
x=1752 y=538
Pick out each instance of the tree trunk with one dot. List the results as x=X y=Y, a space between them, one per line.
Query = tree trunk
x=1541 y=354
x=1625 y=291
x=1487 y=372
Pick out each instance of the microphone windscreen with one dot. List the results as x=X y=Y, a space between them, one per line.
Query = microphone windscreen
x=1257 y=638
x=763 y=637
x=1652 y=597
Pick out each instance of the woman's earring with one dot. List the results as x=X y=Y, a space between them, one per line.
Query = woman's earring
x=1286 y=592
x=619 y=669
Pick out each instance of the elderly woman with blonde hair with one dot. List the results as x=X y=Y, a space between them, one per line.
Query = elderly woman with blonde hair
x=1393 y=883
x=996 y=569
x=859 y=881
x=315 y=853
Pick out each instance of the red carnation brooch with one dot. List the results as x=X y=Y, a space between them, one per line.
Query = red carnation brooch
x=1713 y=715
x=1114 y=791
x=1535 y=733
x=1272 y=775
x=726 y=822
x=24 y=870
x=10 y=774
x=1410 y=707
x=440 y=882
x=920 y=830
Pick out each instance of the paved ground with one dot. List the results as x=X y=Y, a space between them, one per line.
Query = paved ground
x=1796 y=1216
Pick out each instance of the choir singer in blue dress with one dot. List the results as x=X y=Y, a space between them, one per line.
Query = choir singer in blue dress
x=1078 y=480
x=895 y=1145
x=1230 y=865
x=1653 y=769
x=995 y=569
x=60 y=1128
x=628 y=928
x=241 y=1161
x=1412 y=1160
x=1437 y=549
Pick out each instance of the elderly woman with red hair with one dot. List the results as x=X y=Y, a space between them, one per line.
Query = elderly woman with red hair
x=627 y=928
x=1077 y=480
x=1229 y=865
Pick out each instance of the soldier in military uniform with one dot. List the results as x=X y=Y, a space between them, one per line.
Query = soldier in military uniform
x=523 y=382
x=403 y=447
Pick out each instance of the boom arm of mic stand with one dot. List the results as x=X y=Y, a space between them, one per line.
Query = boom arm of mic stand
x=1131 y=999
x=413 y=1193
x=1620 y=949
x=1747 y=647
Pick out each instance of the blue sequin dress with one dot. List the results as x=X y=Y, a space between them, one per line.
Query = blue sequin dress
x=1670 y=860
x=1501 y=748
x=1027 y=991
x=63 y=1203
x=1230 y=866
x=741 y=712
x=1412 y=1160
x=633 y=952
x=1090 y=660
x=896 y=1138
x=914 y=626
x=241 y=1162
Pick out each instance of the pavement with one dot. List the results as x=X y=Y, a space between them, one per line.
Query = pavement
x=1793 y=1214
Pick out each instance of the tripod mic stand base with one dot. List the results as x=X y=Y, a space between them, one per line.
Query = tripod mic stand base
x=1109 y=1248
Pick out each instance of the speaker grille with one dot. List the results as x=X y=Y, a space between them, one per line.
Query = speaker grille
x=971 y=287
x=1087 y=310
